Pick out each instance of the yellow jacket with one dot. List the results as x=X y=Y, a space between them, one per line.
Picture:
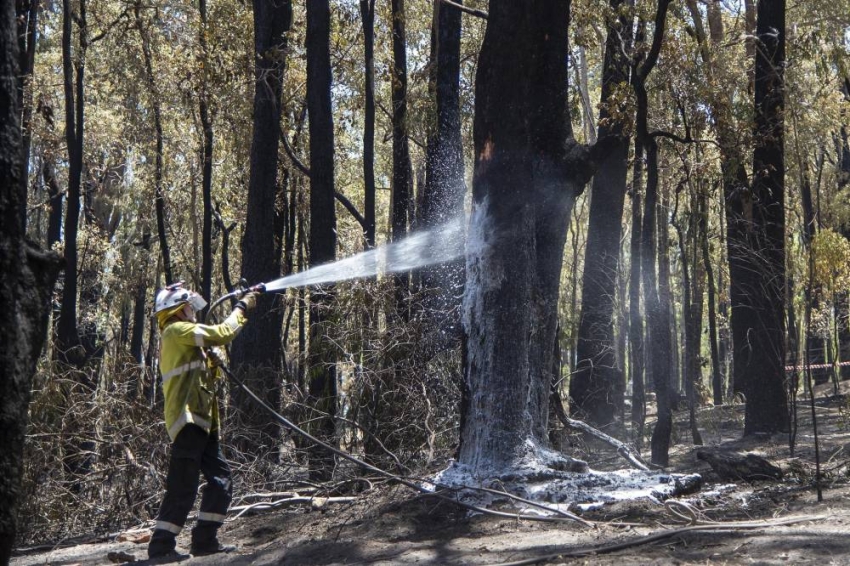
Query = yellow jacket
x=188 y=383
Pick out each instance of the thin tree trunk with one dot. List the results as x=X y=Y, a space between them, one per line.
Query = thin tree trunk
x=322 y=378
x=636 y=324
x=444 y=189
x=27 y=17
x=159 y=197
x=67 y=337
x=402 y=170
x=657 y=313
x=367 y=14
x=716 y=370
x=206 y=160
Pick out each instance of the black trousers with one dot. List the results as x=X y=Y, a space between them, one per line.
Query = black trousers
x=193 y=452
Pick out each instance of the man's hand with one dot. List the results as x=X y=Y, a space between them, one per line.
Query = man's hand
x=247 y=302
x=215 y=357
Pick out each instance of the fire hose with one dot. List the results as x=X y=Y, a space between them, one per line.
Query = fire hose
x=294 y=428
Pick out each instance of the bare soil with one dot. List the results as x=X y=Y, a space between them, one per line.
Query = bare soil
x=392 y=525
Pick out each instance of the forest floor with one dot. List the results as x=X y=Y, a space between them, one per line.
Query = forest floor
x=393 y=525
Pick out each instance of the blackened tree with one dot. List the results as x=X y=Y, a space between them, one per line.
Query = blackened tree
x=528 y=171
x=25 y=289
x=598 y=385
x=322 y=372
x=259 y=348
x=761 y=359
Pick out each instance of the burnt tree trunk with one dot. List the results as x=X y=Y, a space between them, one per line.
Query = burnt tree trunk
x=636 y=323
x=27 y=19
x=73 y=68
x=657 y=312
x=442 y=198
x=159 y=195
x=367 y=14
x=763 y=310
x=402 y=170
x=597 y=386
x=528 y=171
x=321 y=381
x=258 y=352
x=716 y=369
x=25 y=290
x=206 y=160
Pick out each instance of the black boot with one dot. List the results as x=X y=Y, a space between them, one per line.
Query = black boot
x=163 y=548
x=205 y=540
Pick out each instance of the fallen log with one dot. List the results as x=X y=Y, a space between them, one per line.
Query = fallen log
x=729 y=465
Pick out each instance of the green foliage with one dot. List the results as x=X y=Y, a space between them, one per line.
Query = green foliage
x=831 y=253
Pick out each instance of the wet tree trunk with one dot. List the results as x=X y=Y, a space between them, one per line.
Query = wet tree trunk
x=763 y=310
x=598 y=385
x=442 y=197
x=321 y=383
x=25 y=290
x=528 y=171
x=258 y=351
x=367 y=14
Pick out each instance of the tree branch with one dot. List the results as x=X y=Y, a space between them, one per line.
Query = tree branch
x=350 y=208
x=676 y=138
x=290 y=151
x=466 y=10
x=623 y=450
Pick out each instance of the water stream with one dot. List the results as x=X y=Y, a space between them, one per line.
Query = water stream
x=421 y=249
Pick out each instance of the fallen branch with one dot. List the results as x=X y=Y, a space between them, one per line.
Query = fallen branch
x=315 y=503
x=622 y=449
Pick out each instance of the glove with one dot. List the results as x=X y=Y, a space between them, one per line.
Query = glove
x=215 y=357
x=247 y=302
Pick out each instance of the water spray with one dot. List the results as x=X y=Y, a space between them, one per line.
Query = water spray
x=421 y=249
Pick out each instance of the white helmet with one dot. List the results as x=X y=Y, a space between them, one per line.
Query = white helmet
x=175 y=294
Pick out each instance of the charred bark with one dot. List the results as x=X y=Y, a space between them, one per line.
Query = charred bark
x=657 y=312
x=528 y=171
x=444 y=190
x=598 y=386
x=258 y=352
x=206 y=161
x=636 y=323
x=25 y=291
x=763 y=311
x=367 y=14
x=321 y=381
x=402 y=182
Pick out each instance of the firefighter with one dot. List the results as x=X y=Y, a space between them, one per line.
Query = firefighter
x=189 y=375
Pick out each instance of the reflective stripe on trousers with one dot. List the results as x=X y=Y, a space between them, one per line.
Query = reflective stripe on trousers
x=193 y=452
